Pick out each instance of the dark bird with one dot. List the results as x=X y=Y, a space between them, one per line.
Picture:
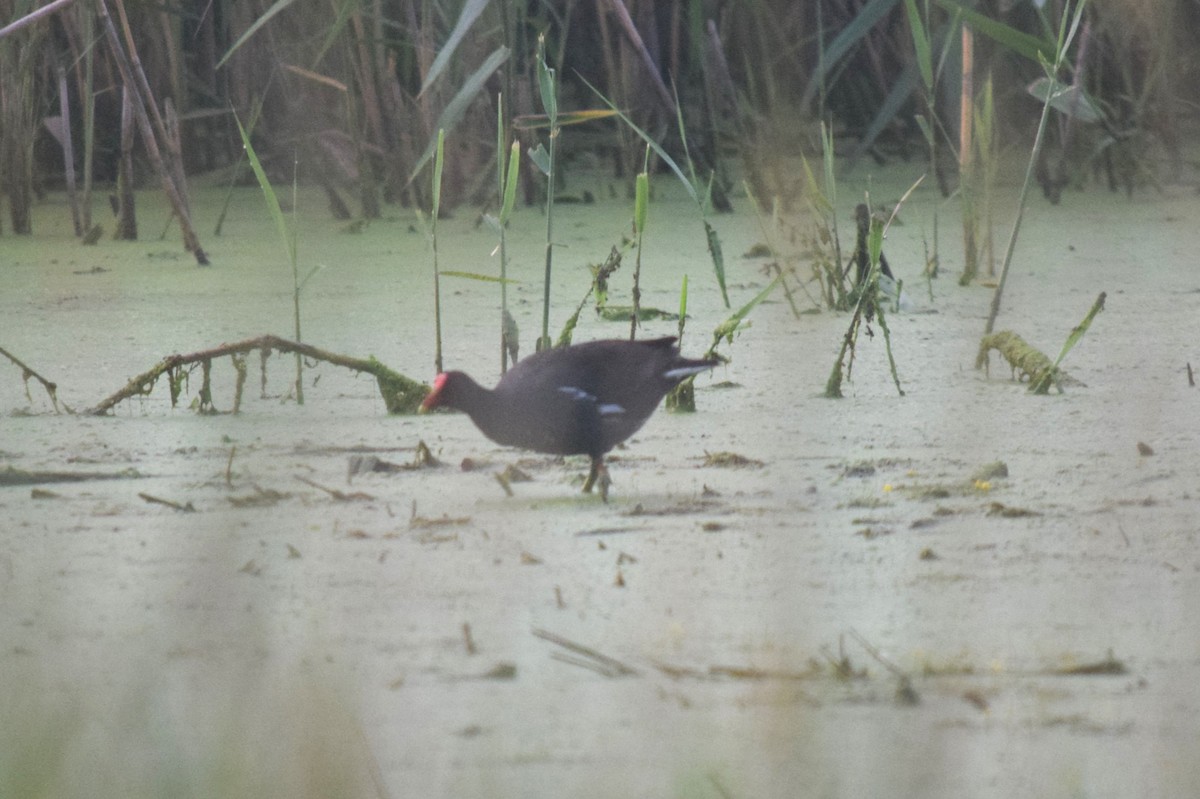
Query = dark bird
x=578 y=400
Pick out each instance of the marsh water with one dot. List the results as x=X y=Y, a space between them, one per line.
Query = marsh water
x=859 y=604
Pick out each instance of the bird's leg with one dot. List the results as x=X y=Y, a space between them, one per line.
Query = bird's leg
x=605 y=482
x=598 y=473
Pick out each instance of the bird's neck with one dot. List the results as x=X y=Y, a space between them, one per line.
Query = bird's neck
x=487 y=409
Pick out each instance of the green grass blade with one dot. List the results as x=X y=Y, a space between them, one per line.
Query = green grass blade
x=466 y=18
x=641 y=199
x=545 y=75
x=500 y=143
x=920 y=43
x=511 y=178
x=1070 y=100
x=438 y=163
x=1019 y=42
x=866 y=19
x=875 y=241
x=682 y=307
x=654 y=145
x=812 y=190
x=726 y=329
x=889 y=109
x=563 y=119
x=718 y=259
x=476 y=276
x=279 y=5
x=268 y=192
x=540 y=157
x=454 y=110
x=568 y=329
x=827 y=164
x=347 y=8
x=1081 y=328
x=1048 y=376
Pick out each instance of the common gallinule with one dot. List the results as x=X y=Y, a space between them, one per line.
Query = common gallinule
x=578 y=400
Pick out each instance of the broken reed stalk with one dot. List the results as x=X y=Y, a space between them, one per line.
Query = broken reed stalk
x=987 y=166
x=297 y=283
x=592 y=659
x=64 y=106
x=143 y=89
x=88 y=93
x=126 y=229
x=966 y=161
x=141 y=98
x=175 y=145
x=640 y=203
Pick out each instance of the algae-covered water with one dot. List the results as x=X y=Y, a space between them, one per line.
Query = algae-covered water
x=853 y=611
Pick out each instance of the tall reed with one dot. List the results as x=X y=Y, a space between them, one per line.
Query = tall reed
x=544 y=158
x=640 y=203
x=438 y=161
x=506 y=184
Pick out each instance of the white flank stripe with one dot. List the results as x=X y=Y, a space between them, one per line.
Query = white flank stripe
x=685 y=371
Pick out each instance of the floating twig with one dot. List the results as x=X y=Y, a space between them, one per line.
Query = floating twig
x=590 y=658
x=21 y=477
x=1109 y=666
x=423 y=522
x=340 y=496
x=905 y=693
x=186 y=508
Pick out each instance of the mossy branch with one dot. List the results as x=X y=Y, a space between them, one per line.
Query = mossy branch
x=1027 y=362
x=1033 y=364
x=400 y=394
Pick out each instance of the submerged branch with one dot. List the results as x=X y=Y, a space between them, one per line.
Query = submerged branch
x=400 y=394
x=26 y=373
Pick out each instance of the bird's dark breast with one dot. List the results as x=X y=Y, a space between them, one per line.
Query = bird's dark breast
x=556 y=424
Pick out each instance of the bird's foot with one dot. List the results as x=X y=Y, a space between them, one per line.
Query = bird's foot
x=605 y=481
